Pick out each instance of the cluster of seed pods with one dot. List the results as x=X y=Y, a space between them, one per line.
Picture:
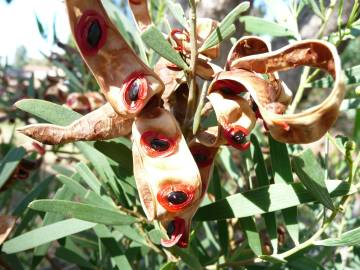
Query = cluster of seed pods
x=172 y=172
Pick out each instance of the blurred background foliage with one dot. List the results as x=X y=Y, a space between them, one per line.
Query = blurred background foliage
x=230 y=234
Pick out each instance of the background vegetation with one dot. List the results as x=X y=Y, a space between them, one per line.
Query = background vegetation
x=274 y=207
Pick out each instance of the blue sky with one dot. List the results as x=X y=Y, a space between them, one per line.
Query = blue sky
x=19 y=28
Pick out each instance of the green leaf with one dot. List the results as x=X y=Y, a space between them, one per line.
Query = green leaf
x=349 y=238
x=71 y=257
x=46 y=234
x=261 y=26
x=83 y=211
x=168 y=266
x=47 y=111
x=263 y=180
x=226 y=28
x=222 y=224
x=312 y=176
x=62 y=193
x=40 y=27
x=352 y=78
x=113 y=247
x=249 y=227
x=350 y=104
x=9 y=163
x=316 y=9
x=267 y=199
x=34 y=193
x=156 y=41
x=178 y=13
x=282 y=173
x=118 y=152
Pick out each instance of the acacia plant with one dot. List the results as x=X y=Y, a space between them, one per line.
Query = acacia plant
x=181 y=117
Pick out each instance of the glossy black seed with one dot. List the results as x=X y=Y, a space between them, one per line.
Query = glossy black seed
x=159 y=145
x=94 y=34
x=134 y=91
x=170 y=228
x=177 y=197
x=239 y=137
x=199 y=158
x=227 y=91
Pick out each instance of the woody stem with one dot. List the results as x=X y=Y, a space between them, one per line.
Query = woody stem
x=193 y=59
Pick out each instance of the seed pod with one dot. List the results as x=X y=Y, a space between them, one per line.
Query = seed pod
x=113 y=63
x=141 y=14
x=167 y=177
x=101 y=124
x=309 y=125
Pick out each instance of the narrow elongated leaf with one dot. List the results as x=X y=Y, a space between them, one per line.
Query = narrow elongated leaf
x=350 y=104
x=262 y=26
x=312 y=176
x=352 y=77
x=71 y=257
x=46 y=234
x=156 y=41
x=62 y=193
x=225 y=27
x=282 y=173
x=49 y=112
x=219 y=35
x=113 y=247
x=222 y=224
x=34 y=193
x=178 y=13
x=118 y=152
x=9 y=163
x=83 y=211
x=349 y=238
x=267 y=199
x=263 y=180
x=252 y=235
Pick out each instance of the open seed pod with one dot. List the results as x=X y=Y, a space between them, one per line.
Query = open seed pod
x=141 y=13
x=235 y=117
x=166 y=174
x=304 y=127
x=101 y=124
x=252 y=45
x=127 y=83
x=7 y=223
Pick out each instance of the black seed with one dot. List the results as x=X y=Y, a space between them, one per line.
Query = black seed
x=177 y=197
x=134 y=91
x=227 y=91
x=159 y=145
x=94 y=34
x=239 y=137
x=199 y=158
x=170 y=229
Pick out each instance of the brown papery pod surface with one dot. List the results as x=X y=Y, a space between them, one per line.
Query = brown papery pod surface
x=127 y=83
x=166 y=175
x=311 y=124
x=101 y=124
x=7 y=223
x=141 y=14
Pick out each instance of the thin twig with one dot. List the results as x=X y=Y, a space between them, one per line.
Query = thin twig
x=192 y=74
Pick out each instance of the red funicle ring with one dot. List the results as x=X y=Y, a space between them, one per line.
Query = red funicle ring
x=142 y=95
x=203 y=151
x=145 y=141
x=162 y=196
x=233 y=86
x=178 y=42
x=82 y=28
x=135 y=2
x=230 y=131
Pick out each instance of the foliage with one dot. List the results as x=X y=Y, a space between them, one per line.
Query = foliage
x=274 y=206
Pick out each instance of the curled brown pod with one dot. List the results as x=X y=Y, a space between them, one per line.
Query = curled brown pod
x=309 y=125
